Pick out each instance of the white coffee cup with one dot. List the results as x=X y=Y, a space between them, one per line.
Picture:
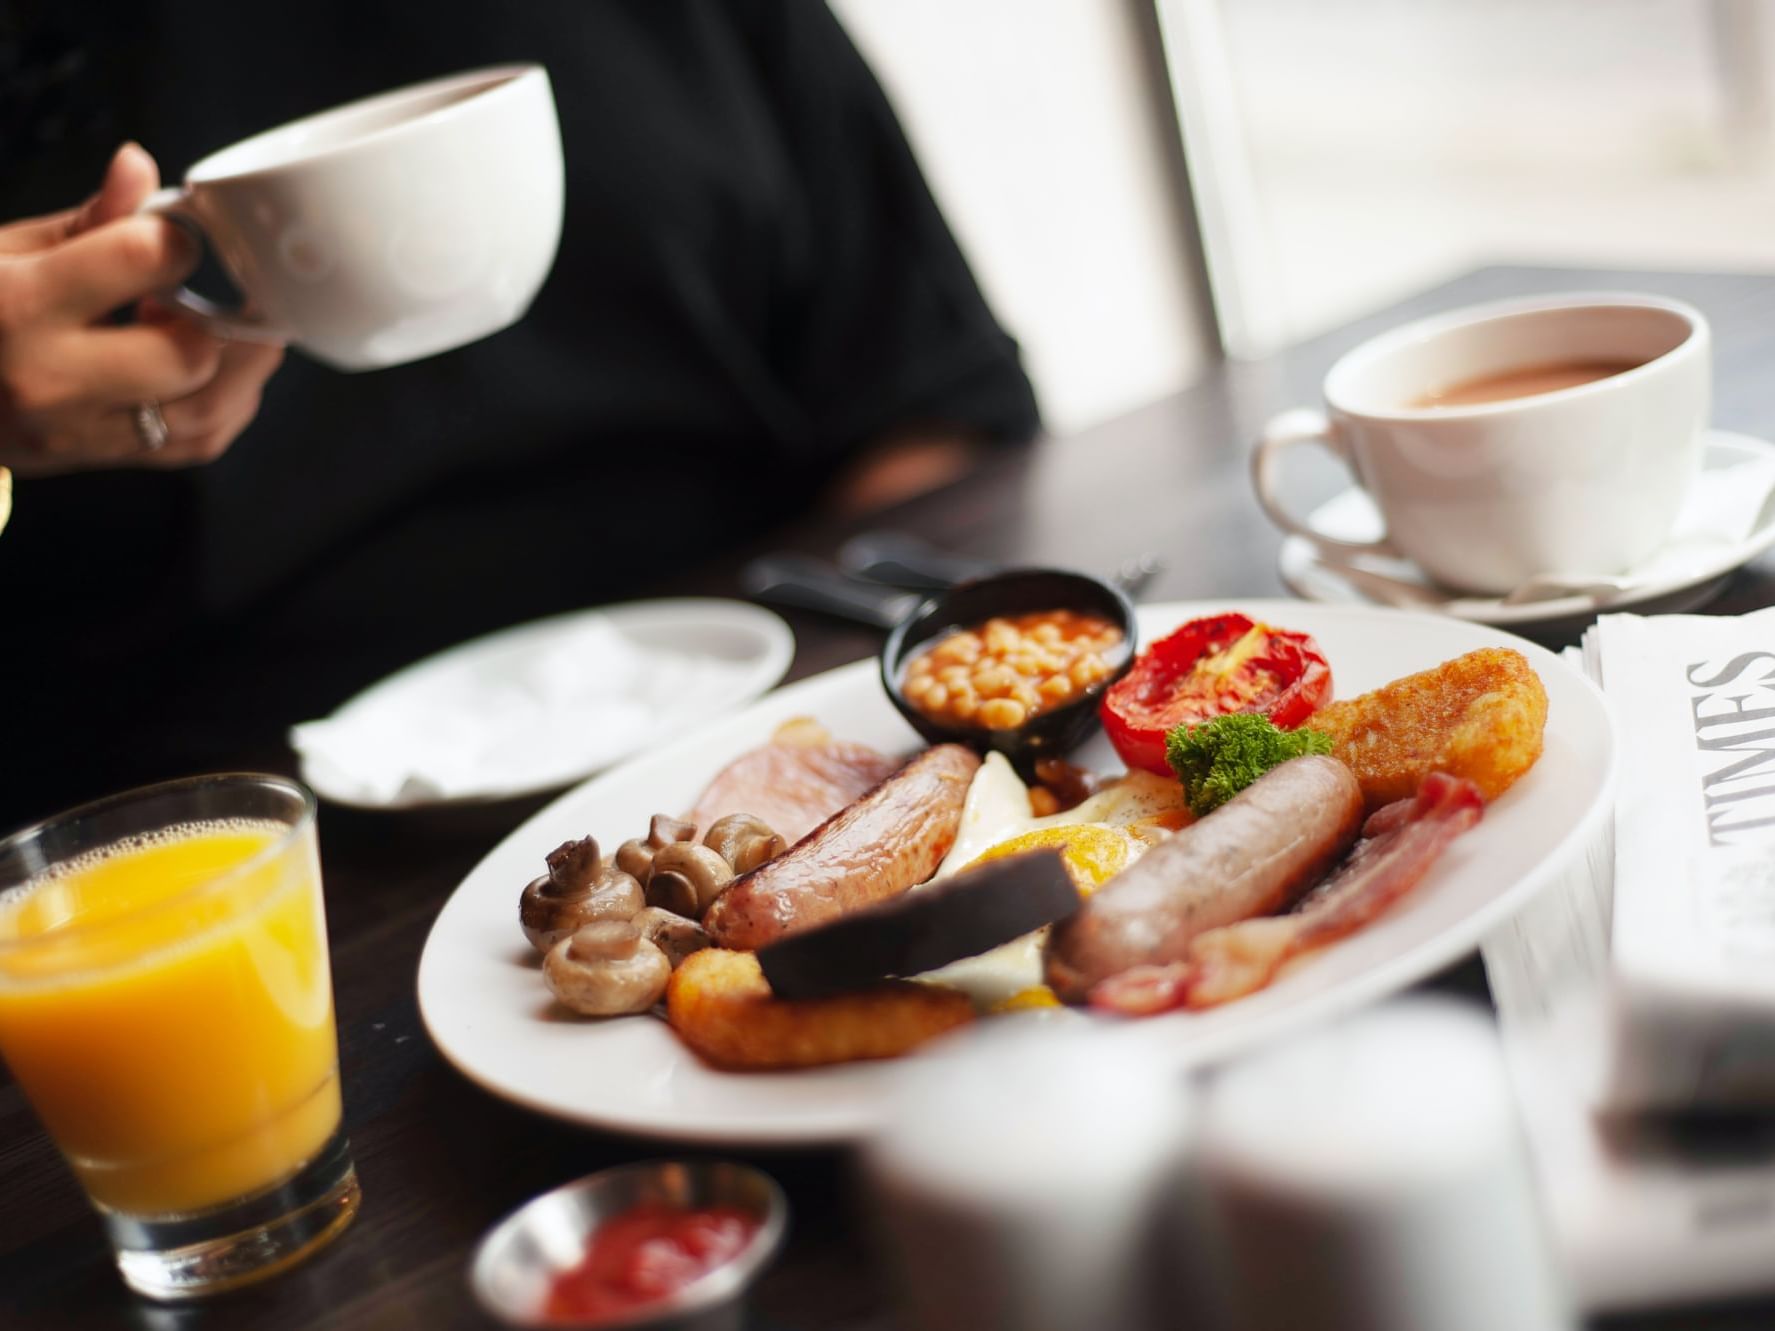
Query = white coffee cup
x=1483 y=497
x=387 y=229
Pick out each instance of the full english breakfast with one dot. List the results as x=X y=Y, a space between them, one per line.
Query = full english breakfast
x=822 y=902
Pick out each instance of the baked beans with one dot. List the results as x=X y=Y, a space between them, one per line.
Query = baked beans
x=1007 y=670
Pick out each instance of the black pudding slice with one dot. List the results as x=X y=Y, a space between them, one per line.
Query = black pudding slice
x=925 y=928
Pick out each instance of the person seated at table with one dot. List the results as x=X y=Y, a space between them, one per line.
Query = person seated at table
x=756 y=309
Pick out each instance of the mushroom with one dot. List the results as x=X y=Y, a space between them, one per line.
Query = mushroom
x=635 y=857
x=578 y=889
x=686 y=878
x=674 y=935
x=744 y=841
x=606 y=969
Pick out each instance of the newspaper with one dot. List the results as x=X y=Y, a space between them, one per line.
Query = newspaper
x=1637 y=993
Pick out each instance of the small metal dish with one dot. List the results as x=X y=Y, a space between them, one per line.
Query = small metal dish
x=1014 y=592
x=522 y=1255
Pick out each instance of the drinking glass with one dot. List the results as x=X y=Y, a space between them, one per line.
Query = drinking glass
x=166 y=1006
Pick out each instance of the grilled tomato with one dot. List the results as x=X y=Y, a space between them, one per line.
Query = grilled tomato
x=1208 y=668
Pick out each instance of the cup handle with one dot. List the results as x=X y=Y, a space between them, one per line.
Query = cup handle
x=1304 y=425
x=174 y=203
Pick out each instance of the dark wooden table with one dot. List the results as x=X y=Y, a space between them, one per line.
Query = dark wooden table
x=441 y=1160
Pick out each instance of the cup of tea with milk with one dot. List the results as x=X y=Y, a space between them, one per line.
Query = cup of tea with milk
x=388 y=229
x=1549 y=437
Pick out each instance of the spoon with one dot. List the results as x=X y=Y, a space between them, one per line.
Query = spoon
x=1599 y=587
x=1408 y=593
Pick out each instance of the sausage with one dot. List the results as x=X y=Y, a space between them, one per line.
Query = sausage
x=1255 y=855
x=892 y=838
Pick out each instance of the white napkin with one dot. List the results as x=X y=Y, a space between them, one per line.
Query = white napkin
x=537 y=711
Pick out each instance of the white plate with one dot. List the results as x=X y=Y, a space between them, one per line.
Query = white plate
x=486 y=1008
x=755 y=646
x=1685 y=574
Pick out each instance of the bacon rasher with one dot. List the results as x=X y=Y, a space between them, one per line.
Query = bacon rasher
x=1399 y=844
x=795 y=782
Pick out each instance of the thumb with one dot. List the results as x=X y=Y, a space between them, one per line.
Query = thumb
x=132 y=176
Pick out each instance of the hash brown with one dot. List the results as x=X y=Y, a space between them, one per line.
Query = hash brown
x=721 y=1006
x=1479 y=716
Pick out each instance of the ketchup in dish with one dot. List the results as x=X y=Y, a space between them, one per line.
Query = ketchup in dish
x=648 y=1253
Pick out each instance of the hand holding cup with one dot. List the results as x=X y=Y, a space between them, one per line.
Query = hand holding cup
x=71 y=380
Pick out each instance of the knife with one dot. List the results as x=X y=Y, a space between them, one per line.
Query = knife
x=907 y=561
x=804 y=583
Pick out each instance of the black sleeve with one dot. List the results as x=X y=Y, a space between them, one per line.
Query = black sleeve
x=881 y=326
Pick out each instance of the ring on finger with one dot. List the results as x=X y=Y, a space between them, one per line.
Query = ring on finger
x=151 y=431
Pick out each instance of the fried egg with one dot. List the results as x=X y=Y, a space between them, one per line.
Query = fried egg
x=1097 y=838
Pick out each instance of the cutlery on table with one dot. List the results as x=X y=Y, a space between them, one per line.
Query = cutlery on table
x=1134 y=575
x=1600 y=587
x=910 y=561
x=886 y=575
x=802 y=582
x=907 y=561
x=1407 y=593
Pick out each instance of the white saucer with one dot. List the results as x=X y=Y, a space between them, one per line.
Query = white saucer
x=723 y=653
x=1688 y=572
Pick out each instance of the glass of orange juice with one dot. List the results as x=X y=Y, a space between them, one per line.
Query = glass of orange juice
x=167 y=1008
